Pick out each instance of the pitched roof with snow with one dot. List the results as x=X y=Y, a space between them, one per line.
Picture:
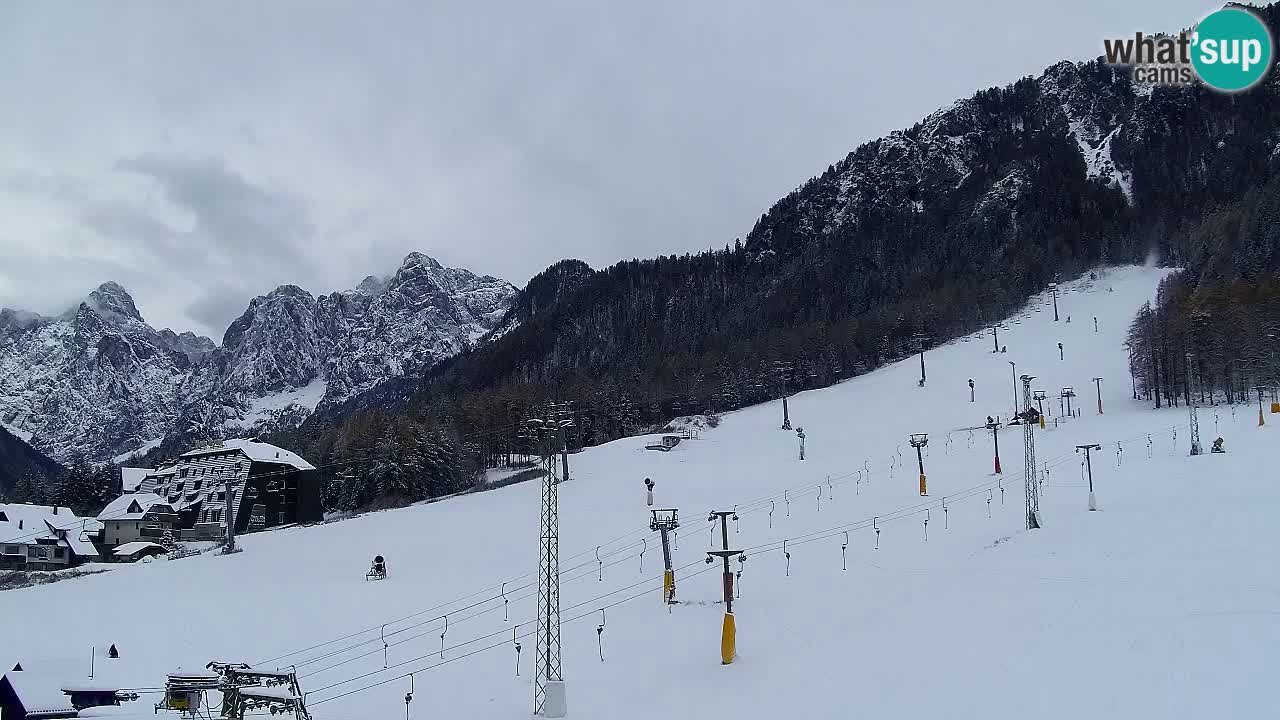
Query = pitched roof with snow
x=40 y=692
x=132 y=506
x=28 y=523
x=257 y=452
x=131 y=478
x=39 y=685
x=130 y=548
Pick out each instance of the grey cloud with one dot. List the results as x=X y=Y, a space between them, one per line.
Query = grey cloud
x=316 y=143
x=231 y=213
x=217 y=306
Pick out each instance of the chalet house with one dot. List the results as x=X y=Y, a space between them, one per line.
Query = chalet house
x=39 y=537
x=136 y=517
x=269 y=486
x=47 y=689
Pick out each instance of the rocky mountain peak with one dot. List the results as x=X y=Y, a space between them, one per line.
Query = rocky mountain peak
x=112 y=302
x=416 y=260
x=372 y=285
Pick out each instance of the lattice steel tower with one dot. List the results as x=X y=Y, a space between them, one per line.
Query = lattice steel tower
x=548 y=686
x=1029 y=454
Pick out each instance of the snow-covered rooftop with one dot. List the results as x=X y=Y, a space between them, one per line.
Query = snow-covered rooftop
x=130 y=548
x=256 y=451
x=131 y=477
x=40 y=692
x=39 y=685
x=131 y=506
x=28 y=523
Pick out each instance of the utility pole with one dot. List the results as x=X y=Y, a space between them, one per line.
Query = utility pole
x=920 y=341
x=664 y=522
x=918 y=441
x=729 y=631
x=549 y=699
x=994 y=427
x=1098 y=381
x=1013 y=368
x=783 y=370
x=1093 y=501
x=1031 y=487
x=1053 y=287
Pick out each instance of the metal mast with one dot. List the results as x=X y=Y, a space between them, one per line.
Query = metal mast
x=1191 y=408
x=918 y=441
x=782 y=368
x=1029 y=452
x=548 y=687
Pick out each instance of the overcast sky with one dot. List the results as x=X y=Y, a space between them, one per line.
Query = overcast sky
x=204 y=153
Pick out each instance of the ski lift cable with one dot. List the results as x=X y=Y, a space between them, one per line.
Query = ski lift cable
x=975 y=491
x=348 y=648
x=428 y=631
x=593 y=601
x=843 y=478
x=420 y=613
x=901 y=513
x=503 y=643
x=1053 y=461
x=422 y=634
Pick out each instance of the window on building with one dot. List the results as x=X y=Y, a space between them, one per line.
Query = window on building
x=59 y=553
x=12 y=549
x=37 y=552
x=281 y=518
x=197 y=485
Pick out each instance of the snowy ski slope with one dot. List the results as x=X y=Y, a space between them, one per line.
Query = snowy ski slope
x=1159 y=605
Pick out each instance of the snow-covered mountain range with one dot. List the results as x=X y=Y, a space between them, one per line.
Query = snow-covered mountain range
x=99 y=383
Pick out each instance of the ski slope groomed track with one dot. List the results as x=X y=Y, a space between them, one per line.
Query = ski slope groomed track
x=1163 y=603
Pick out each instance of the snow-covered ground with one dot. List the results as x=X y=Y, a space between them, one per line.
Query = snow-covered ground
x=23 y=435
x=1157 y=605
x=137 y=453
x=301 y=400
